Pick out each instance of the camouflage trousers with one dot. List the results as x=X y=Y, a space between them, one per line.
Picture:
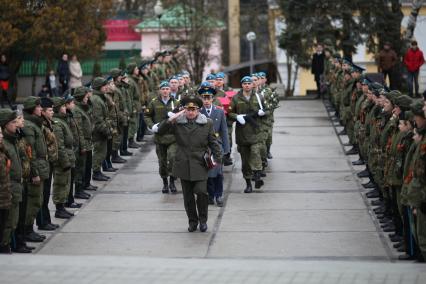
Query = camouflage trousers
x=99 y=154
x=166 y=156
x=251 y=159
x=13 y=217
x=34 y=202
x=133 y=125
x=61 y=185
x=421 y=231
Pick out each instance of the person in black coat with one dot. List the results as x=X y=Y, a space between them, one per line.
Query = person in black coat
x=4 y=81
x=64 y=72
x=317 y=67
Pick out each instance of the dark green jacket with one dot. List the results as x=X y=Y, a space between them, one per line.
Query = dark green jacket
x=5 y=194
x=155 y=113
x=193 y=139
x=35 y=138
x=15 y=173
x=64 y=137
x=101 y=127
x=82 y=111
x=246 y=134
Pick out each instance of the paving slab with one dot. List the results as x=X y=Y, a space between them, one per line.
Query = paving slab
x=296 y=201
x=301 y=131
x=176 y=244
x=296 y=221
x=302 y=181
x=283 y=140
x=298 y=244
x=296 y=151
x=308 y=164
x=131 y=221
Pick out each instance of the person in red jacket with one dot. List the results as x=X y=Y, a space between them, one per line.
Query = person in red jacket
x=413 y=60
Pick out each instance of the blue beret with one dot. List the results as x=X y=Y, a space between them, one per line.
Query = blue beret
x=211 y=77
x=220 y=75
x=246 y=79
x=365 y=81
x=184 y=72
x=206 y=88
x=262 y=74
x=255 y=75
x=173 y=78
x=179 y=76
x=164 y=84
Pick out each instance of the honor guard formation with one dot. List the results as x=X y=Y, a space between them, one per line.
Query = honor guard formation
x=387 y=130
x=53 y=148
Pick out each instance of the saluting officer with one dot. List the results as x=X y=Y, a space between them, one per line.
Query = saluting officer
x=194 y=136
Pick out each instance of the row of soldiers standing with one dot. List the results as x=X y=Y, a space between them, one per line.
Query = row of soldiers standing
x=68 y=140
x=387 y=130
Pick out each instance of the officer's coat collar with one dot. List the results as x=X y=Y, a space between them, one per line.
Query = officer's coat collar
x=201 y=119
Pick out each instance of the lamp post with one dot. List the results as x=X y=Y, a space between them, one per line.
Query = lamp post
x=251 y=37
x=158 y=10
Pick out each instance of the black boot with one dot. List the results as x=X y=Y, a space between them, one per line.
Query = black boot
x=269 y=155
x=116 y=158
x=110 y=167
x=352 y=151
x=360 y=162
x=363 y=174
x=98 y=176
x=248 y=188
x=227 y=160
x=258 y=182
x=172 y=185
x=165 y=186
x=62 y=213
x=369 y=184
x=343 y=132
x=126 y=153
x=133 y=144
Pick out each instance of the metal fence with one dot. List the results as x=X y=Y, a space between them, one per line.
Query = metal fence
x=87 y=66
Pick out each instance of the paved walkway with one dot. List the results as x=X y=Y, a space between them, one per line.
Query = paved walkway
x=311 y=217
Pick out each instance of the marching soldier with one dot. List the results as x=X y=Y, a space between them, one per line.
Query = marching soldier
x=246 y=108
x=161 y=108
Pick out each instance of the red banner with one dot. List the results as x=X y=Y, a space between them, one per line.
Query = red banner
x=121 y=30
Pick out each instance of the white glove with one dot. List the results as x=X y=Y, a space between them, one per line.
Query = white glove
x=155 y=128
x=170 y=114
x=240 y=119
x=260 y=112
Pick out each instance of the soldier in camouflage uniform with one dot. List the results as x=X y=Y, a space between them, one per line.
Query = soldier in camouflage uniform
x=5 y=194
x=126 y=110
x=10 y=182
x=44 y=221
x=75 y=123
x=119 y=98
x=135 y=93
x=271 y=103
x=113 y=119
x=246 y=110
x=102 y=131
x=39 y=164
x=82 y=111
x=25 y=154
x=416 y=192
x=159 y=109
x=66 y=158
